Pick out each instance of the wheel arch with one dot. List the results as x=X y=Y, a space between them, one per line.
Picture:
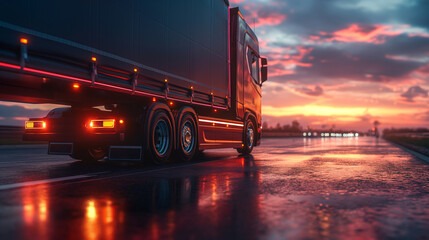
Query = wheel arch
x=250 y=115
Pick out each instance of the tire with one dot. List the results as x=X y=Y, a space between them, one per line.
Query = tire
x=248 y=138
x=187 y=138
x=90 y=155
x=160 y=138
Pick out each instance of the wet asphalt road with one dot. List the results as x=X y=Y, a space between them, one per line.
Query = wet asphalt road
x=345 y=188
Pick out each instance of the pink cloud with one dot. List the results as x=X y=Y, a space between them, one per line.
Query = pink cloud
x=236 y=1
x=274 y=72
x=284 y=64
x=271 y=19
x=375 y=33
x=257 y=15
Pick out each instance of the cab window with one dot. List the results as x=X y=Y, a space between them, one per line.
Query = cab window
x=253 y=62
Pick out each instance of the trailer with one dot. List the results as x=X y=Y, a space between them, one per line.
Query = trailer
x=145 y=80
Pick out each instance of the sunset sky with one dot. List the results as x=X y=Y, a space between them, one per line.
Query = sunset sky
x=343 y=62
x=332 y=62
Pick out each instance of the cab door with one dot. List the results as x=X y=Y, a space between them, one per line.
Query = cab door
x=252 y=82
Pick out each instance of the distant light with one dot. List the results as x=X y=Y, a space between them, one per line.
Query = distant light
x=135 y=69
x=309 y=134
x=24 y=41
x=121 y=121
x=171 y=103
x=76 y=86
x=356 y=134
x=323 y=134
x=304 y=134
x=154 y=99
x=165 y=80
x=215 y=110
x=94 y=59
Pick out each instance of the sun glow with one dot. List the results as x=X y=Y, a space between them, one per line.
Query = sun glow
x=316 y=110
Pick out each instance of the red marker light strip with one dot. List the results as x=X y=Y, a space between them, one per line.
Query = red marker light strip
x=100 y=84
x=9 y=65
x=220 y=122
x=55 y=75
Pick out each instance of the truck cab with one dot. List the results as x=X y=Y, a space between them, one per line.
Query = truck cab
x=248 y=71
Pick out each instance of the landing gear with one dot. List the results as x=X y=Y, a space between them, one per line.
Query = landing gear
x=249 y=138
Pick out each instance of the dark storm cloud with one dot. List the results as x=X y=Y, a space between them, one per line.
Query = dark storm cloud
x=371 y=64
x=317 y=91
x=415 y=14
x=361 y=61
x=312 y=16
x=413 y=92
x=406 y=45
x=371 y=59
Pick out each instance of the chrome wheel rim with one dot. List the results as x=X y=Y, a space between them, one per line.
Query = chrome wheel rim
x=249 y=136
x=161 y=137
x=188 y=139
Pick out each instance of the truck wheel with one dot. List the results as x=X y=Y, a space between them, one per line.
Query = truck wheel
x=160 y=138
x=249 y=138
x=187 y=138
x=92 y=154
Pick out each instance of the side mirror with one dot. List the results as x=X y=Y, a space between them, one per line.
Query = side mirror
x=264 y=70
x=264 y=74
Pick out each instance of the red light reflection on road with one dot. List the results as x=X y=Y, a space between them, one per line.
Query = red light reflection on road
x=101 y=219
x=35 y=211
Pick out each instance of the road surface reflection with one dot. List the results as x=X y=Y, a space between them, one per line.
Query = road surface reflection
x=156 y=207
x=289 y=189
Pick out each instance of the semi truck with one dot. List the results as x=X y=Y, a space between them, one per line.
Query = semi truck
x=143 y=80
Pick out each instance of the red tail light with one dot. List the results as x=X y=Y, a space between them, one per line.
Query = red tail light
x=35 y=125
x=102 y=123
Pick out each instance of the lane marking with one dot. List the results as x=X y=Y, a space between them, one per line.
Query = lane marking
x=39 y=182
x=148 y=171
